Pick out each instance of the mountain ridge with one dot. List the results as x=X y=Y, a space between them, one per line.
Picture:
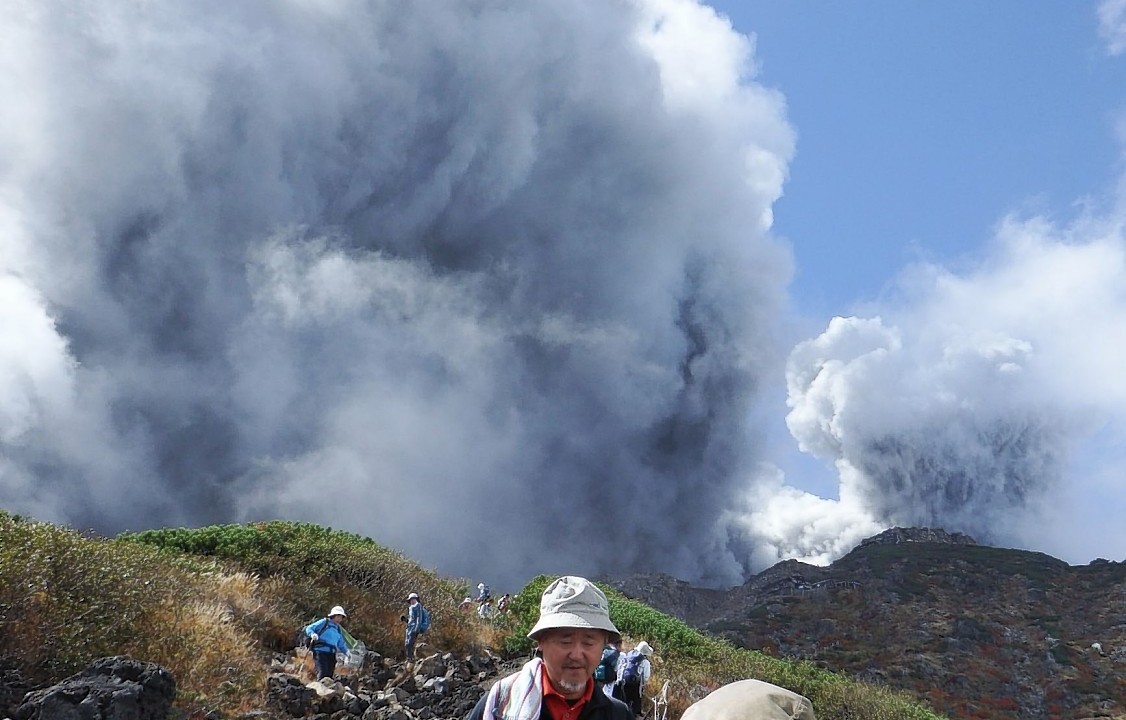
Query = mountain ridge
x=974 y=631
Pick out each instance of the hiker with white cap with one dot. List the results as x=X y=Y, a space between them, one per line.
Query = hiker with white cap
x=327 y=635
x=484 y=601
x=558 y=682
x=634 y=671
x=418 y=622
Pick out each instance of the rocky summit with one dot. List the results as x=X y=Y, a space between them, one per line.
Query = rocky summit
x=973 y=631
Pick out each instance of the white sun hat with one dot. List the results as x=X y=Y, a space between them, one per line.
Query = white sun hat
x=644 y=648
x=574 y=602
x=337 y=610
x=412 y=596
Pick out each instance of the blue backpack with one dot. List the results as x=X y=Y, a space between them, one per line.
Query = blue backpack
x=423 y=619
x=631 y=673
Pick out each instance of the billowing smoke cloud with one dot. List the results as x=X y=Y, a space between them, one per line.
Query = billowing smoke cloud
x=988 y=401
x=492 y=282
x=452 y=275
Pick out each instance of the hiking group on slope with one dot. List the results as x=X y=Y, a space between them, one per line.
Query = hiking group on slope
x=326 y=637
x=574 y=649
x=569 y=675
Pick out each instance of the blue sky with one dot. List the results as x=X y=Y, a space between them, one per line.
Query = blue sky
x=920 y=127
x=921 y=124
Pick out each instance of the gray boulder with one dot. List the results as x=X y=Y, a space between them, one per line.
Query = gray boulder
x=112 y=688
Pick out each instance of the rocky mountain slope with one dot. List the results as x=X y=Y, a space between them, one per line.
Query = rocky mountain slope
x=976 y=632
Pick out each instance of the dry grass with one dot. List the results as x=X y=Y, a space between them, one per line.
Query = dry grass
x=212 y=605
x=66 y=599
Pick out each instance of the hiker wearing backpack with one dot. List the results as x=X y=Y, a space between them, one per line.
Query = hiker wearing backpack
x=558 y=683
x=418 y=622
x=634 y=670
x=327 y=635
x=606 y=673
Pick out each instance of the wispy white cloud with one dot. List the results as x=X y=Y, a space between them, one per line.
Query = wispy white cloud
x=981 y=398
x=1112 y=25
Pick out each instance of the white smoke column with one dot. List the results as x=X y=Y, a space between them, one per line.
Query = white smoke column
x=970 y=404
x=445 y=274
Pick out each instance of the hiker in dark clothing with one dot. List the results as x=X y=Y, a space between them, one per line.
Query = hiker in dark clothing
x=607 y=671
x=558 y=683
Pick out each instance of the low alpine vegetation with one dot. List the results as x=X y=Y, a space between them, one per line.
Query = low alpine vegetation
x=212 y=604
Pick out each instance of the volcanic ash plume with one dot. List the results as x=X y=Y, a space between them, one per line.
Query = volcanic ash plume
x=446 y=274
x=989 y=402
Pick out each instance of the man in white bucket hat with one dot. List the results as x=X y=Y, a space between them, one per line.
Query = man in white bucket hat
x=558 y=683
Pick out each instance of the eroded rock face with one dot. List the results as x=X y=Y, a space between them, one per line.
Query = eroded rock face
x=898 y=535
x=112 y=688
x=970 y=630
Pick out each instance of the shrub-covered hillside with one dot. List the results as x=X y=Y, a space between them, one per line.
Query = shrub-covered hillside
x=214 y=604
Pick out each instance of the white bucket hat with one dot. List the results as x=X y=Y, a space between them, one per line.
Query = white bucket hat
x=337 y=610
x=644 y=648
x=412 y=596
x=574 y=602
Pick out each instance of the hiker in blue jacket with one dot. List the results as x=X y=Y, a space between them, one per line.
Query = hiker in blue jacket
x=327 y=635
x=414 y=625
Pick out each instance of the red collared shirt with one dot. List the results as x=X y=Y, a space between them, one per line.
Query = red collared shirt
x=560 y=707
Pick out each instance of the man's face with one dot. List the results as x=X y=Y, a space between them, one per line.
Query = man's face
x=570 y=656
